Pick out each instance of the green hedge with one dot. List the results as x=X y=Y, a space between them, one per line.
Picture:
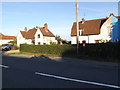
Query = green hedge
x=107 y=52
x=46 y=49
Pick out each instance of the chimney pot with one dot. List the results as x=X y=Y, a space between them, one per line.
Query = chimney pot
x=25 y=29
x=111 y=14
x=36 y=27
x=83 y=20
x=46 y=26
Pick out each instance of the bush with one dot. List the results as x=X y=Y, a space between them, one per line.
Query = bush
x=15 y=47
x=108 y=52
x=46 y=49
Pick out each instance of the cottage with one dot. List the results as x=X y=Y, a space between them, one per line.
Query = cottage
x=97 y=30
x=37 y=36
x=4 y=39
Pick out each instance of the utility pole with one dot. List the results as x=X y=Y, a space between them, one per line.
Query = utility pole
x=77 y=27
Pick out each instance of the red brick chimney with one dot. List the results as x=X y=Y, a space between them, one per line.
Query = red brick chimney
x=111 y=14
x=46 y=26
x=36 y=27
x=83 y=20
x=25 y=29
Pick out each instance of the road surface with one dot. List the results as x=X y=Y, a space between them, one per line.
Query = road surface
x=44 y=72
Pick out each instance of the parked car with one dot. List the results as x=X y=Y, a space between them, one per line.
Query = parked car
x=7 y=46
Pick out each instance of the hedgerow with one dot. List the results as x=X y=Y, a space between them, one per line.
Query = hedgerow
x=105 y=52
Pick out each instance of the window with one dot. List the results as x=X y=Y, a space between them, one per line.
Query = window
x=80 y=32
x=38 y=43
x=38 y=35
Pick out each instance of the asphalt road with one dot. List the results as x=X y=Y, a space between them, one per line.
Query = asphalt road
x=43 y=72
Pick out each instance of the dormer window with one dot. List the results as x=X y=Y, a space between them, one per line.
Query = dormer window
x=38 y=35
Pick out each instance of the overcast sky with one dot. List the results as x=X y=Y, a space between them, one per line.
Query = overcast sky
x=58 y=15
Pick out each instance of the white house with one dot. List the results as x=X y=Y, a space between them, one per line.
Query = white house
x=97 y=30
x=4 y=39
x=37 y=36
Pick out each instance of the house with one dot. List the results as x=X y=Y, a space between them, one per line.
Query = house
x=4 y=39
x=36 y=36
x=97 y=30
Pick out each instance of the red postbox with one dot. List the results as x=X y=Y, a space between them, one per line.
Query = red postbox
x=83 y=43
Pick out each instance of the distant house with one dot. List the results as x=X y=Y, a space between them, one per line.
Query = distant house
x=4 y=39
x=97 y=30
x=37 y=36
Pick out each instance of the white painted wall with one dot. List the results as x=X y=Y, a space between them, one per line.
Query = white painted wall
x=28 y=41
x=48 y=40
x=105 y=29
x=4 y=41
x=20 y=39
x=88 y=39
x=43 y=39
x=39 y=39
x=73 y=40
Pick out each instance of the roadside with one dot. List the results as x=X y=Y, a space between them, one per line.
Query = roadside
x=17 y=53
x=12 y=51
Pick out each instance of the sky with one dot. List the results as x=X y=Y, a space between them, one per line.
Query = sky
x=58 y=15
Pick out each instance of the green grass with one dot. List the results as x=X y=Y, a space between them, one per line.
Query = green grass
x=35 y=54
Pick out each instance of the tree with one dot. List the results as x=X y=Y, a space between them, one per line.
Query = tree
x=61 y=40
x=14 y=41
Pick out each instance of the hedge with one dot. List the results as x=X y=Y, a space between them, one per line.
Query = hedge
x=107 y=52
x=46 y=49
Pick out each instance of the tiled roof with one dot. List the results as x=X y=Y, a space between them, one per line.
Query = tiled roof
x=46 y=32
x=90 y=27
x=6 y=37
x=118 y=17
x=31 y=33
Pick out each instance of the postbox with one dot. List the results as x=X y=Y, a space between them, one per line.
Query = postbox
x=83 y=43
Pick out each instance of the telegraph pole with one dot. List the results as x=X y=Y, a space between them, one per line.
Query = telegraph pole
x=77 y=27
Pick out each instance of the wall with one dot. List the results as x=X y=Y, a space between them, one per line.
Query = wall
x=73 y=40
x=89 y=38
x=5 y=41
x=43 y=39
x=20 y=39
x=115 y=30
x=38 y=39
x=49 y=40
x=106 y=30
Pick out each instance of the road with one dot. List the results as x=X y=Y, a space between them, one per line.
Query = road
x=44 y=72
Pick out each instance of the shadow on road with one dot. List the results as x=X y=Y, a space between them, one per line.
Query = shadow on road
x=72 y=68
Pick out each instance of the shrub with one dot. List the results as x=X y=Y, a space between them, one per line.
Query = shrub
x=15 y=47
x=108 y=51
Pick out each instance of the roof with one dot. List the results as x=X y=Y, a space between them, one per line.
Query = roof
x=31 y=33
x=6 y=37
x=46 y=32
x=118 y=17
x=90 y=27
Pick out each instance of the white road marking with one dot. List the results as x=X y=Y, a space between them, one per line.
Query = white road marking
x=80 y=81
x=4 y=66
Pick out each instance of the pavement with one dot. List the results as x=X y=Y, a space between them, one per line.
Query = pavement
x=45 y=72
x=12 y=51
